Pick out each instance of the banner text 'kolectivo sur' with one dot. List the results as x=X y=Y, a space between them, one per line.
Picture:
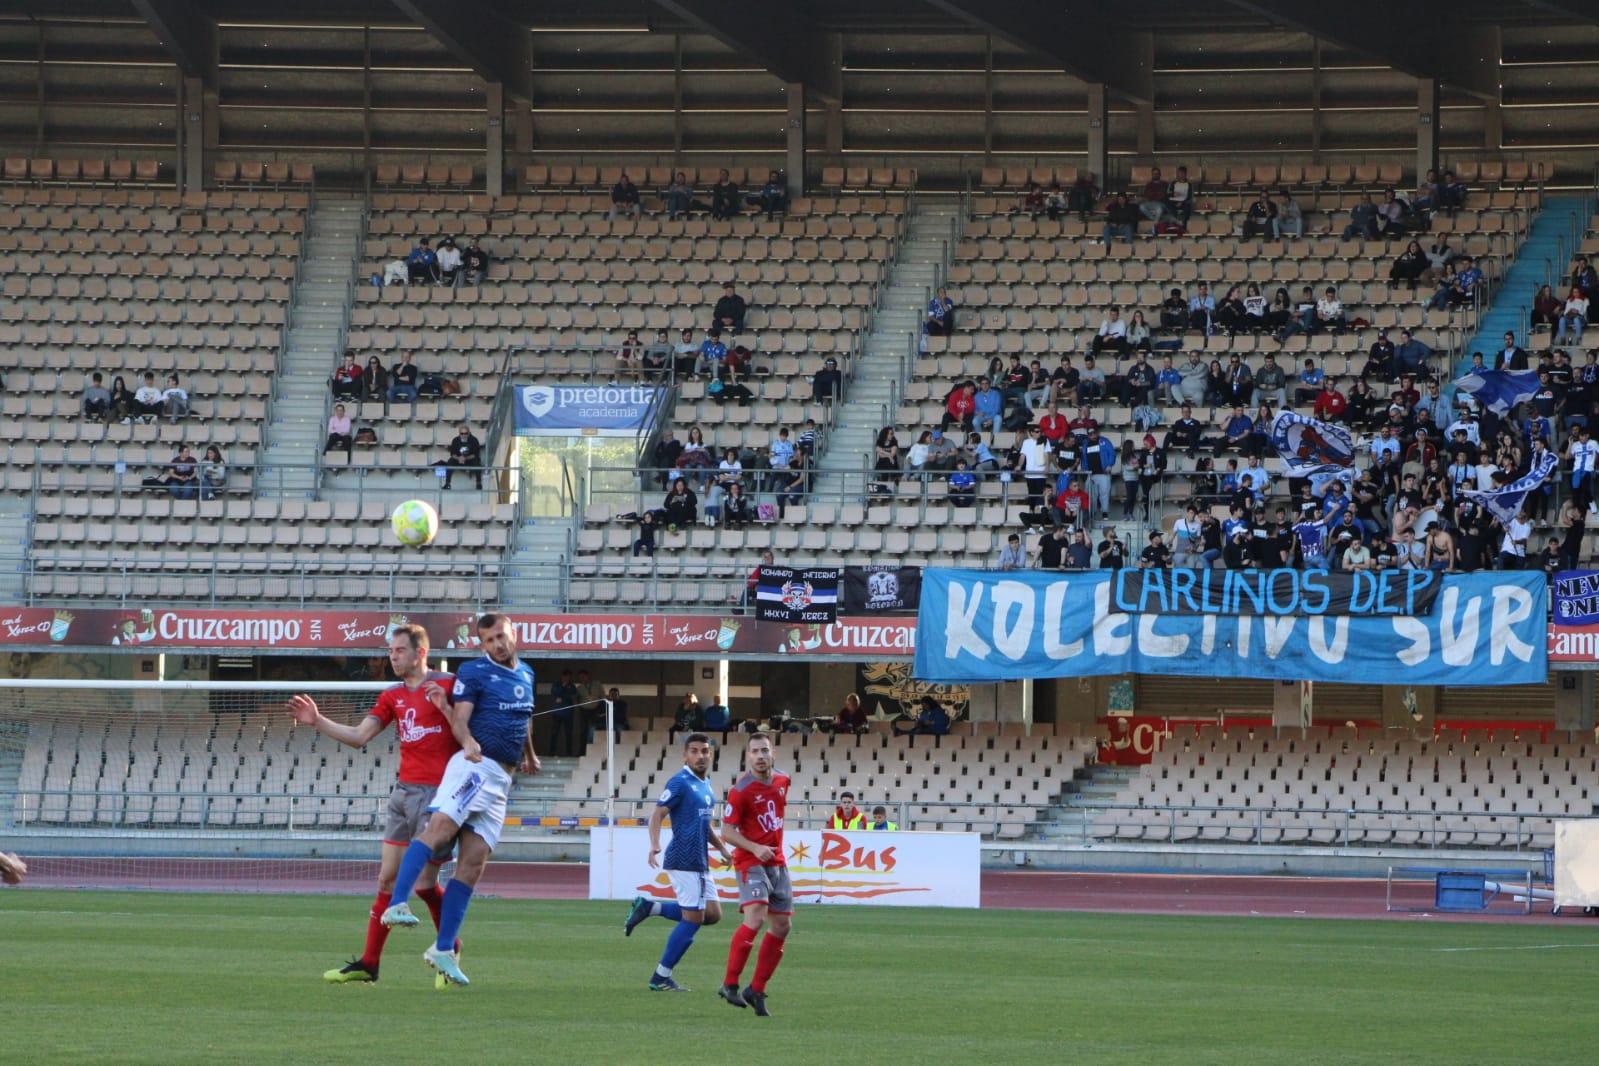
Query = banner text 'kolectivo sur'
x=1486 y=629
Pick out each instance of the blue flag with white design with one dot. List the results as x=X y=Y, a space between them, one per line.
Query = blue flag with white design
x=1499 y=390
x=1503 y=503
x=1309 y=446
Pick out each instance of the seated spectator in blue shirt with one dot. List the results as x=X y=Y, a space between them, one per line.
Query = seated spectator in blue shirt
x=1236 y=433
x=1462 y=291
x=1451 y=193
x=990 y=407
x=1168 y=379
x=1308 y=384
x=933 y=721
x=717 y=717
x=1411 y=355
x=941 y=315
x=712 y=352
x=422 y=265
x=962 y=485
x=774 y=195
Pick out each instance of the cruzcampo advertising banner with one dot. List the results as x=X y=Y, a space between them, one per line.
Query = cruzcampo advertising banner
x=1484 y=629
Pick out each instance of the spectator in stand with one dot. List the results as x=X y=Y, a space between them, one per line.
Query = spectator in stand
x=941 y=451
x=1271 y=384
x=667 y=452
x=962 y=490
x=1202 y=309
x=940 y=315
x=474 y=264
x=1380 y=359
x=1180 y=197
x=1138 y=334
x=737 y=509
x=886 y=456
x=1391 y=214
x=1426 y=197
x=1155 y=555
x=1308 y=385
x=121 y=401
x=1012 y=556
x=466 y=454
x=449 y=263
x=213 y=473
x=1573 y=318
x=1229 y=317
x=681 y=505
x=1013 y=386
x=1290 y=219
x=630 y=356
x=988 y=407
x=728 y=315
x=96 y=405
x=1138 y=383
x=657 y=354
x=851 y=717
x=791 y=487
x=624 y=198
x=1033 y=201
x=1037 y=393
x=1330 y=403
x=932 y=721
x=1411 y=355
x=1573 y=522
x=1512 y=356
x=1054 y=426
x=1084 y=195
x=174 y=400
x=685 y=353
x=1111 y=551
x=147 y=401
x=422 y=264
x=1463 y=291
x=724 y=198
x=1098 y=461
x=1260 y=220
x=1121 y=219
x=1190 y=388
x=1112 y=333
x=712 y=353
x=1236 y=433
x=1153 y=203
x=1255 y=309
x=1216 y=389
x=183 y=475
x=1035 y=455
x=959 y=406
x=1513 y=546
x=338 y=431
x=1546 y=309
x=1168 y=382
x=1240 y=381
x=1185 y=432
x=403 y=381
x=679 y=197
x=1452 y=193
x=1362 y=220
x=1064 y=381
x=1174 y=312
x=1330 y=311
x=1409 y=267
x=1079 y=553
x=1051 y=551
x=374 y=380
x=1091 y=383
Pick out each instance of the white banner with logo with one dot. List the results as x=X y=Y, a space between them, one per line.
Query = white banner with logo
x=877 y=869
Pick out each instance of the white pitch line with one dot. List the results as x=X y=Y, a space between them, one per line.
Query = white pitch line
x=1522 y=947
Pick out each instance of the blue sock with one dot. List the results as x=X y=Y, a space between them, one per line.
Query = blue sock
x=452 y=912
x=411 y=867
x=677 y=943
x=667 y=910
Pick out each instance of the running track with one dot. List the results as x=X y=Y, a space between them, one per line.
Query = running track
x=1273 y=897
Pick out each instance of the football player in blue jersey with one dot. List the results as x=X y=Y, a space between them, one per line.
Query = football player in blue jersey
x=690 y=801
x=492 y=709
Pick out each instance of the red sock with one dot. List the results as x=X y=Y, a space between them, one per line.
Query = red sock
x=433 y=896
x=376 y=932
x=738 y=953
x=766 y=962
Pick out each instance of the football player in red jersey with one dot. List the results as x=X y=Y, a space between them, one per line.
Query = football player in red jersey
x=418 y=708
x=753 y=825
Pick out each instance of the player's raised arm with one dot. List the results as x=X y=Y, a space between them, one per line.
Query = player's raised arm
x=306 y=712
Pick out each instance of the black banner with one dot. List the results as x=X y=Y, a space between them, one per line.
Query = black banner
x=1395 y=593
x=785 y=594
x=882 y=589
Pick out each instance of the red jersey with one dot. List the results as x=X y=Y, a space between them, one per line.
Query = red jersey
x=426 y=741
x=755 y=808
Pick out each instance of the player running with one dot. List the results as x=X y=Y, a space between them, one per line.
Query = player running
x=753 y=824
x=690 y=800
x=493 y=699
x=418 y=707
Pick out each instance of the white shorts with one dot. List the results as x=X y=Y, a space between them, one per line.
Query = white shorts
x=692 y=888
x=473 y=794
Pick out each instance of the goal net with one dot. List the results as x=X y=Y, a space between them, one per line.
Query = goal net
x=189 y=784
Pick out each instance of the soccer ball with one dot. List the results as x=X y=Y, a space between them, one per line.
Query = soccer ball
x=415 y=523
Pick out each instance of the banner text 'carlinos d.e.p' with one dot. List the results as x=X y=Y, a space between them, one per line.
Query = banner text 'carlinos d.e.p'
x=1484 y=629
x=824 y=866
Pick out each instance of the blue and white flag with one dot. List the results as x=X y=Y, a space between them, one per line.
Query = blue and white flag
x=785 y=594
x=1505 y=502
x=1499 y=390
x=1308 y=446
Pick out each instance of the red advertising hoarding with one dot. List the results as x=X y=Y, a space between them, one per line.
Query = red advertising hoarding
x=164 y=629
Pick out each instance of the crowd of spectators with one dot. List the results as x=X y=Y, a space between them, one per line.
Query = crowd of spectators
x=147 y=404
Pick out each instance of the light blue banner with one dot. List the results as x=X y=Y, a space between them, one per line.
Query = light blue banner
x=602 y=410
x=1485 y=629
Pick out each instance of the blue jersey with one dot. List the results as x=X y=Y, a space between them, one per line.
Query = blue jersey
x=502 y=702
x=690 y=801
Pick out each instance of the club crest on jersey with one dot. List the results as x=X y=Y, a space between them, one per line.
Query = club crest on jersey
x=797 y=595
x=518 y=692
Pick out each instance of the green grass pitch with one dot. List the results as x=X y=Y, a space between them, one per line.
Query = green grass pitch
x=177 y=978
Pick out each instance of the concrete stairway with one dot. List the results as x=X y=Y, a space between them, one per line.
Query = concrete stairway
x=535 y=796
x=16 y=525
x=531 y=575
x=887 y=359
x=13 y=744
x=1070 y=819
x=1544 y=257
x=317 y=324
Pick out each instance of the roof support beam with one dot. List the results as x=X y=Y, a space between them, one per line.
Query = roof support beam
x=773 y=36
x=187 y=35
x=476 y=33
x=1426 y=39
x=1085 y=40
